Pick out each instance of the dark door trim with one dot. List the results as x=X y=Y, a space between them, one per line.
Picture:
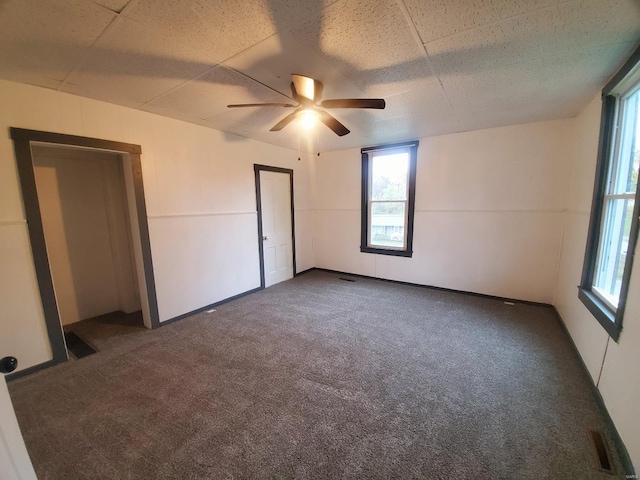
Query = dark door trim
x=266 y=168
x=22 y=140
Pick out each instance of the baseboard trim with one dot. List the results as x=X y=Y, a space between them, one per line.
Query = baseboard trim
x=627 y=465
x=432 y=287
x=36 y=368
x=51 y=363
x=210 y=306
x=305 y=271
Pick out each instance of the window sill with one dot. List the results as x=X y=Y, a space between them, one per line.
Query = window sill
x=601 y=311
x=384 y=251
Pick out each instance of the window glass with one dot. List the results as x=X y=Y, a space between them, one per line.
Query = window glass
x=387 y=224
x=615 y=210
x=389 y=183
x=389 y=177
x=619 y=203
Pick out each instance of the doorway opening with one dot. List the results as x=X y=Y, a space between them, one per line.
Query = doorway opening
x=85 y=209
x=87 y=230
x=276 y=224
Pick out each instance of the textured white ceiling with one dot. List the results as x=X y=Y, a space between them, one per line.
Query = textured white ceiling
x=442 y=66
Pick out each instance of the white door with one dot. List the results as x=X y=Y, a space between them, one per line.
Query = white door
x=275 y=198
x=15 y=463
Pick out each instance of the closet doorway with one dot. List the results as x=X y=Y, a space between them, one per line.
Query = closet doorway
x=88 y=230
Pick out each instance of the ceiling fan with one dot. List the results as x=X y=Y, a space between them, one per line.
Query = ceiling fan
x=308 y=93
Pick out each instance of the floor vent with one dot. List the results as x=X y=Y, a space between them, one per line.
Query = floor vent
x=76 y=346
x=347 y=279
x=601 y=453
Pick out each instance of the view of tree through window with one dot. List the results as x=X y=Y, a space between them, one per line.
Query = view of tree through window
x=389 y=195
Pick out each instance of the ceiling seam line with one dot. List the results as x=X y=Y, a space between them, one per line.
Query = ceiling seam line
x=416 y=36
x=130 y=4
x=116 y=19
x=258 y=81
x=248 y=48
x=502 y=20
x=108 y=28
x=567 y=53
x=209 y=70
x=223 y=62
x=172 y=89
x=149 y=28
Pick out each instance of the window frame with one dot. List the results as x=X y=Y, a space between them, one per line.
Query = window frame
x=366 y=152
x=610 y=318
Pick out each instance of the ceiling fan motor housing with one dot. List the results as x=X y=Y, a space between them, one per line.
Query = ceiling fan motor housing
x=307 y=92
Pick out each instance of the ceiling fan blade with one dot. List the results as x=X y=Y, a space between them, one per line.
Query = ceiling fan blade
x=284 y=122
x=338 y=128
x=307 y=88
x=288 y=105
x=378 y=103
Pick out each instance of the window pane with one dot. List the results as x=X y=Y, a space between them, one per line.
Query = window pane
x=613 y=248
x=387 y=224
x=389 y=176
x=625 y=175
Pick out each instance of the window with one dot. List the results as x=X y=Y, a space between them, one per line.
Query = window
x=388 y=198
x=613 y=229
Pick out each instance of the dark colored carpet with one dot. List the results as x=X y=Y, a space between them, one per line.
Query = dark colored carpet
x=77 y=346
x=322 y=378
x=109 y=331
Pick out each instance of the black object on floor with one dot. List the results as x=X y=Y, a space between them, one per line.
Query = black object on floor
x=603 y=461
x=78 y=347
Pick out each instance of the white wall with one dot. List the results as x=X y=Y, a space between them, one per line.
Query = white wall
x=81 y=197
x=615 y=372
x=200 y=194
x=488 y=215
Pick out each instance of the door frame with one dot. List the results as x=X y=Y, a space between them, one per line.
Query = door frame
x=22 y=140
x=266 y=168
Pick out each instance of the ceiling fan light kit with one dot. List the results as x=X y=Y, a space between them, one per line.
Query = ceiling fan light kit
x=307 y=92
x=308 y=119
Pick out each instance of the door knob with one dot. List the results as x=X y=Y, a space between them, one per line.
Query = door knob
x=264 y=237
x=8 y=364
